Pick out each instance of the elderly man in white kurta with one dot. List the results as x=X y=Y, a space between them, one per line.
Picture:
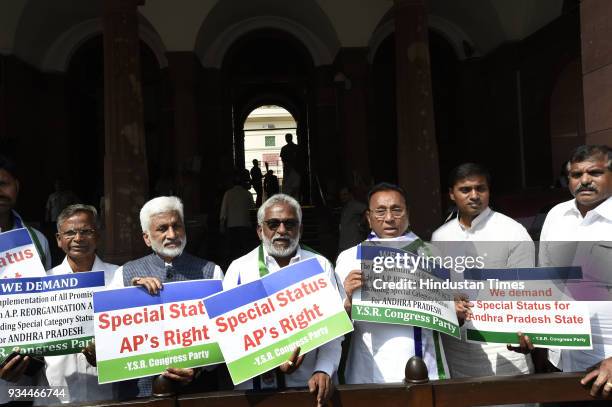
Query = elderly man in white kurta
x=77 y=236
x=279 y=228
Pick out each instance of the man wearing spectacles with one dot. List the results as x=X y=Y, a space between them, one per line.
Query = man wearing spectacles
x=279 y=227
x=77 y=236
x=378 y=352
x=163 y=230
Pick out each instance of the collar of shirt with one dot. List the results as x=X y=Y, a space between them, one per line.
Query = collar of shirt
x=604 y=210
x=273 y=265
x=97 y=265
x=406 y=237
x=477 y=220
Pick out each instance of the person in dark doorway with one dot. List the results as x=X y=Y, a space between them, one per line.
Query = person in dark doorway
x=256 y=182
x=271 y=186
x=235 y=216
x=290 y=152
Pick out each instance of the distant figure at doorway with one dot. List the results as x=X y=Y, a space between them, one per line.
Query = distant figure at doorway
x=256 y=179
x=291 y=181
x=58 y=200
x=235 y=216
x=289 y=153
x=271 y=186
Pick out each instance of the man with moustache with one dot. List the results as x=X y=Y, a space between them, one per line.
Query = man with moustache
x=476 y=230
x=378 y=352
x=77 y=236
x=163 y=230
x=279 y=227
x=587 y=220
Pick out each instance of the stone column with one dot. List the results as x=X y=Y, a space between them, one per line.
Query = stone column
x=182 y=70
x=417 y=151
x=351 y=88
x=596 y=34
x=125 y=160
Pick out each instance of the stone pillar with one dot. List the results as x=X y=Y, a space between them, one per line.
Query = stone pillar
x=125 y=160
x=596 y=36
x=351 y=88
x=182 y=70
x=417 y=151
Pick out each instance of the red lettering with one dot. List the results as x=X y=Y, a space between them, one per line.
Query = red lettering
x=103 y=321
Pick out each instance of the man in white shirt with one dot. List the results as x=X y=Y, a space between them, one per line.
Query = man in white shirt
x=77 y=236
x=587 y=220
x=477 y=230
x=279 y=227
x=378 y=352
x=235 y=216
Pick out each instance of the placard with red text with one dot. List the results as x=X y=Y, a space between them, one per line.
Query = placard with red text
x=551 y=324
x=138 y=334
x=259 y=324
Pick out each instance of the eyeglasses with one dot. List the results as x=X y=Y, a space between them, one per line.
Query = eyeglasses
x=274 y=224
x=381 y=213
x=71 y=234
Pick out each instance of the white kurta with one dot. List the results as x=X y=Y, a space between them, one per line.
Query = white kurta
x=323 y=359
x=593 y=232
x=379 y=352
x=507 y=244
x=73 y=371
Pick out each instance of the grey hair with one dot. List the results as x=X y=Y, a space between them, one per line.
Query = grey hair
x=155 y=206
x=279 y=199
x=71 y=210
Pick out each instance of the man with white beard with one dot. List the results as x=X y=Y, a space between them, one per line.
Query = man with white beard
x=163 y=230
x=279 y=227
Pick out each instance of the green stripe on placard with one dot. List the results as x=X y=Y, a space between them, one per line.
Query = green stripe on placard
x=50 y=348
x=389 y=315
x=568 y=340
x=148 y=364
x=274 y=355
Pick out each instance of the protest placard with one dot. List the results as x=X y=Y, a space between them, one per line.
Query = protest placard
x=399 y=288
x=138 y=334
x=537 y=301
x=260 y=323
x=553 y=324
x=48 y=316
x=18 y=255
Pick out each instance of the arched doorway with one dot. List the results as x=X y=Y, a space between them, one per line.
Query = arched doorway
x=271 y=67
x=264 y=136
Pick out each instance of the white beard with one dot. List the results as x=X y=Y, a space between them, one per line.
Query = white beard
x=163 y=251
x=280 y=252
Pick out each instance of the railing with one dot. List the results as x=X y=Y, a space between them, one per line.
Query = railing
x=550 y=387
